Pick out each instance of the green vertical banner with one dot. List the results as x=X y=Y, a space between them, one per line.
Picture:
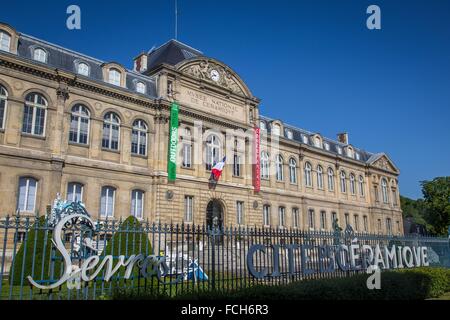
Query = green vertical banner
x=173 y=143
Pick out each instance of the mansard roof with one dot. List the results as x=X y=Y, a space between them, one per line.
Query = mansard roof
x=66 y=59
x=298 y=135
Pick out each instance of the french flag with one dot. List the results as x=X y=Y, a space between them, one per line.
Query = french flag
x=216 y=171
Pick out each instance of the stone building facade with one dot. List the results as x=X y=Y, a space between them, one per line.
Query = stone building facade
x=98 y=132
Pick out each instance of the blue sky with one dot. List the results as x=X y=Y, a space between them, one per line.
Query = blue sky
x=313 y=63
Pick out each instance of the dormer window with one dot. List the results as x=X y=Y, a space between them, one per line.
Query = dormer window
x=262 y=125
x=358 y=157
x=5 y=41
x=276 y=129
x=83 y=69
x=40 y=55
x=317 y=142
x=289 y=134
x=326 y=146
x=339 y=149
x=305 y=139
x=350 y=152
x=114 y=77
x=140 y=87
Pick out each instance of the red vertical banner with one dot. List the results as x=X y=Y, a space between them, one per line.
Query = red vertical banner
x=256 y=160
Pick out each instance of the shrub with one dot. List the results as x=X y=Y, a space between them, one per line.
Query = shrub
x=411 y=284
x=36 y=234
x=129 y=239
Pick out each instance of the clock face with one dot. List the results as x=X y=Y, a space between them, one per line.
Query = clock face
x=215 y=75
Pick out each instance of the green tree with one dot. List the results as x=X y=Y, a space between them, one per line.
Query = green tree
x=436 y=195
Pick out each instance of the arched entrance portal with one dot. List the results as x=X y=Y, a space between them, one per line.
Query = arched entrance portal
x=213 y=210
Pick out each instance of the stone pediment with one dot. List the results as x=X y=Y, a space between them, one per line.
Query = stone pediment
x=215 y=73
x=383 y=162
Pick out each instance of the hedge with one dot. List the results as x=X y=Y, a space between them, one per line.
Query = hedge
x=128 y=240
x=36 y=234
x=411 y=284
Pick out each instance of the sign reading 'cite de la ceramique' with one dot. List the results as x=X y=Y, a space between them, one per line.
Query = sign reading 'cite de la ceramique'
x=346 y=257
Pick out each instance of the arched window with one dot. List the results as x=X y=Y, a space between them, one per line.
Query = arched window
x=139 y=138
x=295 y=218
x=5 y=41
x=361 y=186
x=343 y=182
x=40 y=55
x=330 y=179
x=212 y=151
x=79 y=124
x=107 y=201
x=265 y=165
x=279 y=167
x=319 y=177
x=3 y=104
x=27 y=194
x=384 y=190
x=140 y=87
x=114 y=77
x=83 y=69
x=352 y=183
x=308 y=177
x=111 y=131
x=293 y=170
x=137 y=203
x=276 y=129
x=75 y=191
x=34 y=114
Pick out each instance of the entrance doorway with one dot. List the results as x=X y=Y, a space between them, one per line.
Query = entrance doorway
x=214 y=210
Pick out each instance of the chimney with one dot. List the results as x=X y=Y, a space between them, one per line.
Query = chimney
x=343 y=137
x=140 y=62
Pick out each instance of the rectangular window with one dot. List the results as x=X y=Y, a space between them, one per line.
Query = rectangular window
x=366 y=224
x=375 y=191
x=75 y=192
x=295 y=218
x=311 y=223
x=137 y=204
x=240 y=212
x=107 y=202
x=188 y=208
x=323 y=220
x=398 y=227
x=27 y=194
x=5 y=41
x=356 y=222
x=282 y=216
x=266 y=215
x=187 y=155
x=388 y=226
x=347 y=219
x=394 y=197
x=333 y=217
x=379 y=225
x=237 y=166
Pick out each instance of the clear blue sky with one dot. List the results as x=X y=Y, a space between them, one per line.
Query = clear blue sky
x=313 y=63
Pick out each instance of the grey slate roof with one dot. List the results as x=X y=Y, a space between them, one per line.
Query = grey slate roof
x=171 y=52
x=298 y=134
x=65 y=59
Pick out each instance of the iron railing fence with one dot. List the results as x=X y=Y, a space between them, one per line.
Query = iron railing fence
x=197 y=257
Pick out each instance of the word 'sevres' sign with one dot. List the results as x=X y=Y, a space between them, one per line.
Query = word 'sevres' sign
x=173 y=143
x=352 y=257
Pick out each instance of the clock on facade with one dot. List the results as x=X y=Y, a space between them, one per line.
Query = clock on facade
x=215 y=76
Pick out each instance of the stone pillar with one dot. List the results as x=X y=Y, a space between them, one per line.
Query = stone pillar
x=55 y=134
x=13 y=128
x=125 y=148
x=96 y=140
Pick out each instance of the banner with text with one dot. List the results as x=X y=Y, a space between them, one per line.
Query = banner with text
x=257 y=161
x=173 y=143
